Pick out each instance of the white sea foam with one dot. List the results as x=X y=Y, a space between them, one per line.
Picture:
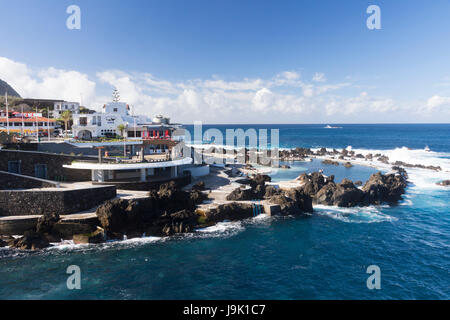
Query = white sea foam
x=413 y=156
x=420 y=178
x=69 y=245
x=369 y=214
x=231 y=228
x=221 y=229
x=142 y=240
x=221 y=226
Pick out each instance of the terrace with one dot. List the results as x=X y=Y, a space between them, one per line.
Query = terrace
x=153 y=169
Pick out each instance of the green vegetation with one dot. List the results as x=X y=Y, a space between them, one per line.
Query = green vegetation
x=105 y=139
x=121 y=127
x=8 y=138
x=66 y=117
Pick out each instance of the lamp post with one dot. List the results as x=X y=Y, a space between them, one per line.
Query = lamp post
x=134 y=121
x=7 y=112
x=48 y=125
x=22 y=131
x=37 y=126
x=99 y=154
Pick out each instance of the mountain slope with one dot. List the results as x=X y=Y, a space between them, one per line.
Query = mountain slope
x=5 y=87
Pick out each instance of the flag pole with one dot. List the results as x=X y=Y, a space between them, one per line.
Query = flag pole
x=22 y=120
x=7 y=112
x=134 y=120
x=37 y=126
x=48 y=124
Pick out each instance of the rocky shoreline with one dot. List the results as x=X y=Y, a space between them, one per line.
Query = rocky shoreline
x=170 y=210
x=335 y=156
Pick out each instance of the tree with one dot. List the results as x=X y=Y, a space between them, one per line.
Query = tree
x=66 y=116
x=7 y=138
x=121 y=127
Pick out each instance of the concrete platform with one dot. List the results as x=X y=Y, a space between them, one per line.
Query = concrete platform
x=17 y=224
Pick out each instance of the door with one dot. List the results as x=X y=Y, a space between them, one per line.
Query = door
x=40 y=171
x=14 y=167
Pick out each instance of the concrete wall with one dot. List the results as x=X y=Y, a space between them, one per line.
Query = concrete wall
x=61 y=201
x=197 y=171
x=17 y=226
x=16 y=181
x=54 y=162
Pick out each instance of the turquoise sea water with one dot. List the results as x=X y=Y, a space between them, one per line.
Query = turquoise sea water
x=324 y=256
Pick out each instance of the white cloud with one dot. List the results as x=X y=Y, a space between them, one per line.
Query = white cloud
x=362 y=103
x=285 y=97
x=437 y=103
x=319 y=77
x=47 y=83
x=263 y=100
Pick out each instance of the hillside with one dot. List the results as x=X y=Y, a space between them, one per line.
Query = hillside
x=5 y=87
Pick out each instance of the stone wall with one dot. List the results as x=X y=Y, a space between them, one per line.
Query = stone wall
x=16 y=181
x=62 y=201
x=54 y=162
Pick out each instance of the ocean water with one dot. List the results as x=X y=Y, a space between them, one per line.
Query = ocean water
x=322 y=256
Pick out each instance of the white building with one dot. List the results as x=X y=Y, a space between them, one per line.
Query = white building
x=61 y=106
x=153 y=154
x=28 y=123
x=106 y=124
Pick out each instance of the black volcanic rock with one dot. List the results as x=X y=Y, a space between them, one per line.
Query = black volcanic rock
x=313 y=182
x=257 y=189
x=164 y=212
x=384 y=159
x=46 y=222
x=112 y=215
x=326 y=194
x=378 y=189
x=292 y=202
x=347 y=195
x=384 y=188
x=197 y=197
x=199 y=186
x=182 y=221
x=97 y=236
x=287 y=205
x=240 y=194
x=271 y=191
x=444 y=183
x=330 y=162
x=348 y=165
x=303 y=200
x=31 y=240
x=230 y=211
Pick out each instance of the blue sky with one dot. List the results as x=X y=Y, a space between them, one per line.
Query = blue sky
x=236 y=61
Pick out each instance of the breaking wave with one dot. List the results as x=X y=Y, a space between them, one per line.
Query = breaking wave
x=369 y=214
